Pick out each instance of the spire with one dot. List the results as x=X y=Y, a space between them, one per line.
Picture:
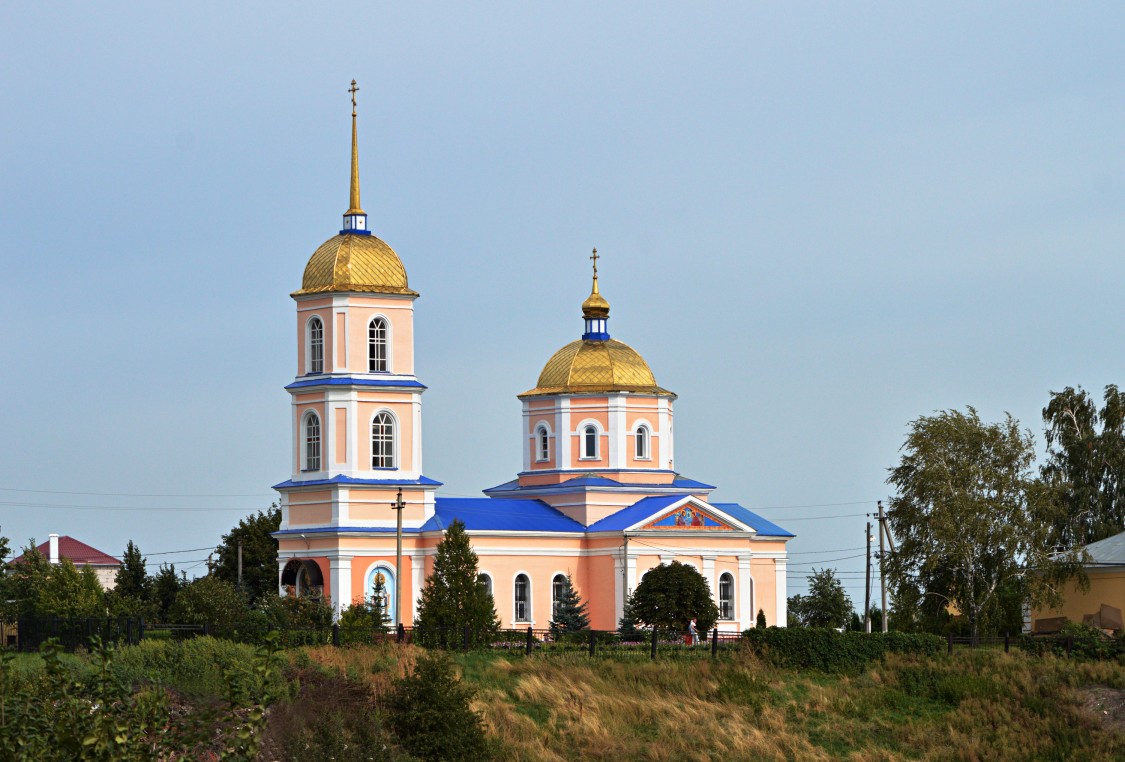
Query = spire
x=355 y=219
x=595 y=309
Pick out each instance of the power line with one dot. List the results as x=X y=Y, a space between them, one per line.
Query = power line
x=135 y=494
x=88 y=507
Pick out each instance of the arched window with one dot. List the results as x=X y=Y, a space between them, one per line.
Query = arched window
x=522 y=598
x=312 y=442
x=590 y=442
x=558 y=590
x=543 y=440
x=316 y=345
x=377 y=346
x=642 y=449
x=386 y=579
x=726 y=596
x=486 y=581
x=383 y=441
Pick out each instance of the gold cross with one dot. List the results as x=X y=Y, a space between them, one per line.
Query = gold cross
x=594 y=257
x=353 y=90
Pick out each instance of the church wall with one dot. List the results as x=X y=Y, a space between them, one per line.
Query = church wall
x=321 y=307
x=319 y=514
x=400 y=319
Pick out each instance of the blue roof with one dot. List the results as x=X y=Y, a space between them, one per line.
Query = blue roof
x=487 y=513
x=593 y=480
x=761 y=526
x=355 y=381
x=638 y=511
x=422 y=481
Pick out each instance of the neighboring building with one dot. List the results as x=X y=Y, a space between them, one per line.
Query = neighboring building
x=58 y=548
x=598 y=497
x=1106 y=571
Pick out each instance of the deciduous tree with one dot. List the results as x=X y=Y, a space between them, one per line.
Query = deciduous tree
x=671 y=595
x=1086 y=463
x=826 y=605
x=968 y=516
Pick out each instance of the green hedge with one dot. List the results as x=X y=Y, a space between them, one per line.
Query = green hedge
x=827 y=650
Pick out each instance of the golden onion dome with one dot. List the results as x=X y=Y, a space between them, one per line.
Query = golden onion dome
x=355 y=262
x=595 y=305
x=590 y=367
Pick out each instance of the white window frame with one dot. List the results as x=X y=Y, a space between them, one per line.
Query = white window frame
x=489 y=586
x=529 y=617
x=311 y=458
x=642 y=433
x=583 y=432
x=730 y=602
x=554 y=600
x=393 y=456
x=314 y=350
x=542 y=443
x=372 y=343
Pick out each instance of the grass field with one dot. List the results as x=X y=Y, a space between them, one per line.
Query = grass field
x=973 y=705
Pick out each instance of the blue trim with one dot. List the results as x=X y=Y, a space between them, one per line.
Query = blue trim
x=355 y=232
x=354 y=381
x=423 y=481
x=593 y=480
x=595 y=337
x=334 y=530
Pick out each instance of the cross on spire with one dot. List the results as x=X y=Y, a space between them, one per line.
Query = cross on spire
x=353 y=90
x=594 y=257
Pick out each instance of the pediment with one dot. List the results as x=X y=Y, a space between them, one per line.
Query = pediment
x=691 y=515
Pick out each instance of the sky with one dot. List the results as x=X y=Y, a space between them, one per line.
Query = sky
x=817 y=223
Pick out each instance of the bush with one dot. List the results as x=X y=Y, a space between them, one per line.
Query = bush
x=209 y=600
x=431 y=715
x=1087 y=642
x=196 y=667
x=827 y=650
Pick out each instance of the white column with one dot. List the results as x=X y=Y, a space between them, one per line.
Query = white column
x=416 y=435
x=527 y=435
x=631 y=573
x=709 y=575
x=340 y=580
x=281 y=563
x=53 y=549
x=779 y=566
x=565 y=433
x=417 y=570
x=618 y=435
x=746 y=613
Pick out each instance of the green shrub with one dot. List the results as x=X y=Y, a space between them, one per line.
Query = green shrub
x=827 y=650
x=431 y=715
x=197 y=667
x=1087 y=642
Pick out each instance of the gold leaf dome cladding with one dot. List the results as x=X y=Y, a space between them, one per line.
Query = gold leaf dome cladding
x=350 y=262
x=586 y=367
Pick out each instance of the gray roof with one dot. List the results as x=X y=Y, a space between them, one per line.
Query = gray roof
x=1111 y=550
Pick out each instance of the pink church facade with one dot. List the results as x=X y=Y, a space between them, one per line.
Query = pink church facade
x=598 y=497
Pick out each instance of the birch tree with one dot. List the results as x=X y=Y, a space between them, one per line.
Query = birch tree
x=969 y=516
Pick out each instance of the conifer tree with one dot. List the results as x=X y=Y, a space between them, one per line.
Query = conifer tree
x=627 y=627
x=761 y=623
x=453 y=598
x=132 y=580
x=166 y=585
x=570 y=611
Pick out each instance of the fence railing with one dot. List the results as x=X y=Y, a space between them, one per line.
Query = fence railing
x=30 y=633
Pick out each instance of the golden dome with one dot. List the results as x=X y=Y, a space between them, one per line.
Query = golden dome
x=586 y=367
x=595 y=305
x=351 y=262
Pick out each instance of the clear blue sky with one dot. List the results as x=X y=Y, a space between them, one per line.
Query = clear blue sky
x=819 y=222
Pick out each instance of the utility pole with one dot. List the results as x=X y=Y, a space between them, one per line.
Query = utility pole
x=884 y=531
x=397 y=507
x=240 y=566
x=867 y=597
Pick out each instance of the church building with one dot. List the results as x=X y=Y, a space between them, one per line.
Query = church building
x=598 y=497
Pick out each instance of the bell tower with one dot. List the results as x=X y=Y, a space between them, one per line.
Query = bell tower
x=356 y=407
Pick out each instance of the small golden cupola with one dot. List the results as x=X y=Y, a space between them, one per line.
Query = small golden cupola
x=596 y=363
x=355 y=260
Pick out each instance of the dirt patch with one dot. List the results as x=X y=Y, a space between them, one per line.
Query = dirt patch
x=1106 y=705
